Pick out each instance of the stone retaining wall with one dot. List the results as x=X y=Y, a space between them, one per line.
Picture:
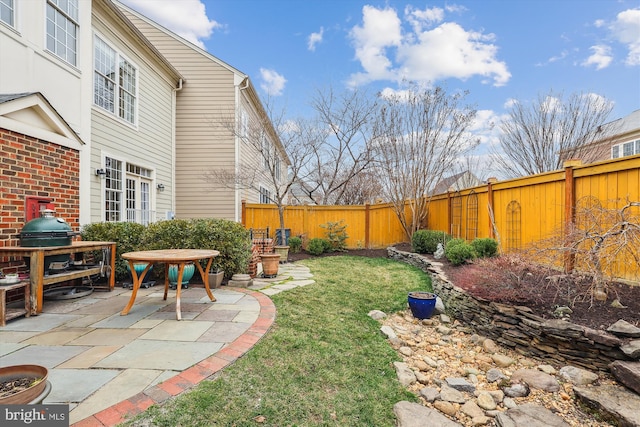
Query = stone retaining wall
x=552 y=341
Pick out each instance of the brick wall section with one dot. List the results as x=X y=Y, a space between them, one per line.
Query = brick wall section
x=258 y=247
x=33 y=167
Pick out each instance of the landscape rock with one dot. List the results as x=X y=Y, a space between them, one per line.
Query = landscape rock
x=409 y=414
x=578 y=376
x=631 y=349
x=445 y=407
x=429 y=394
x=502 y=361
x=486 y=401
x=471 y=409
x=529 y=415
x=494 y=375
x=449 y=394
x=627 y=373
x=377 y=314
x=490 y=346
x=461 y=384
x=516 y=390
x=618 y=402
x=624 y=329
x=536 y=379
x=405 y=375
x=388 y=332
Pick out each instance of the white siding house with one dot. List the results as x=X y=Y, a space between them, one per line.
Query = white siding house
x=79 y=75
x=133 y=95
x=213 y=92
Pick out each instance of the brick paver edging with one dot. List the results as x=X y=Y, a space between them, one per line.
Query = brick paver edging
x=190 y=377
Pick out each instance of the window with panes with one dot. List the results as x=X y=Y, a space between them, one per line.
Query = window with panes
x=7 y=12
x=62 y=29
x=127 y=192
x=115 y=82
x=625 y=149
x=265 y=195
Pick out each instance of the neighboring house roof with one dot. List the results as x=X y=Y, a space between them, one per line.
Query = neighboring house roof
x=456 y=182
x=30 y=113
x=622 y=126
x=615 y=132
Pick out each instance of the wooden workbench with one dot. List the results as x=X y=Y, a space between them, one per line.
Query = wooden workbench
x=37 y=255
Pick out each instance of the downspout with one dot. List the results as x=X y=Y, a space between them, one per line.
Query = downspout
x=237 y=196
x=173 y=146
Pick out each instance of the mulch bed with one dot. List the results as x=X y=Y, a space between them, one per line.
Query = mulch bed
x=509 y=280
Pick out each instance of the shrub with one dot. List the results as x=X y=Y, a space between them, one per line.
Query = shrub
x=426 y=241
x=453 y=242
x=485 y=247
x=336 y=236
x=295 y=244
x=460 y=253
x=317 y=246
x=125 y=234
x=230 y=238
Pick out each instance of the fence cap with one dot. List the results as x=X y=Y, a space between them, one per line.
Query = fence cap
x=572 y=163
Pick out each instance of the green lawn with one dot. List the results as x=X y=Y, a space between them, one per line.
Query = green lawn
x=323 y=363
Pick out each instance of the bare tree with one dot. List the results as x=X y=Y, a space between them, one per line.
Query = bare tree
x=540 y=136
x=420 y=134
x=344 y=120
x=600 y=242
x=281 y=151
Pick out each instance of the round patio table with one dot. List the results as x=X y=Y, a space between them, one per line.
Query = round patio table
x=179 y=257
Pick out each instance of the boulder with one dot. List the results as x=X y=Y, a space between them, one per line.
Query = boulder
x=627 y=373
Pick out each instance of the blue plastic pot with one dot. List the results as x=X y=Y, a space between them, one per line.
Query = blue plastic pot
x=422 y=304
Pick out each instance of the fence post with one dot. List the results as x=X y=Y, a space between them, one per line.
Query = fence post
x=569 y=210
x=243 y=214
x=366 y=226
x=490 y=212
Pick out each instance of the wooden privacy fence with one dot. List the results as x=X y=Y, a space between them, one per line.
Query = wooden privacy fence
x=519 y=212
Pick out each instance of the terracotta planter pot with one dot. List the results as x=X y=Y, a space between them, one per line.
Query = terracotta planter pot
x=270 y=264
x=34 y=394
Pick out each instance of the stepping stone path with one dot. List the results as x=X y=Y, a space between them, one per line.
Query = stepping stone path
x=290 y=276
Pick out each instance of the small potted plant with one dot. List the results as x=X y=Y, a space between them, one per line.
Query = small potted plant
x=216 y=274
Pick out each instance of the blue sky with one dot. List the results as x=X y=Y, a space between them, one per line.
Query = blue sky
x=498 y=50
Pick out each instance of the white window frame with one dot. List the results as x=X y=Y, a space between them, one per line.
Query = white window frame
x=112 y=84
x=265 y=195
x=62 y=32
x=8 y=9
x=132 y=200
x=632 y=147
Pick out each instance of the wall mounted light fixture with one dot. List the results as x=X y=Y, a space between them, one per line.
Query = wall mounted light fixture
x=160 y=187
x=101 y=173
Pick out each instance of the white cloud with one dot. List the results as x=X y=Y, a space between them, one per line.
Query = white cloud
x=419 y=19
x=380 y=30
x=422 y=53
x=272 y=82
x=314 y=39
x=601 y=57
x=626 y=29
x=186 y=18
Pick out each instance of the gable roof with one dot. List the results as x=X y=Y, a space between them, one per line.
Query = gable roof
x=31 y=114
x=113 y=10
x=452 y=181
